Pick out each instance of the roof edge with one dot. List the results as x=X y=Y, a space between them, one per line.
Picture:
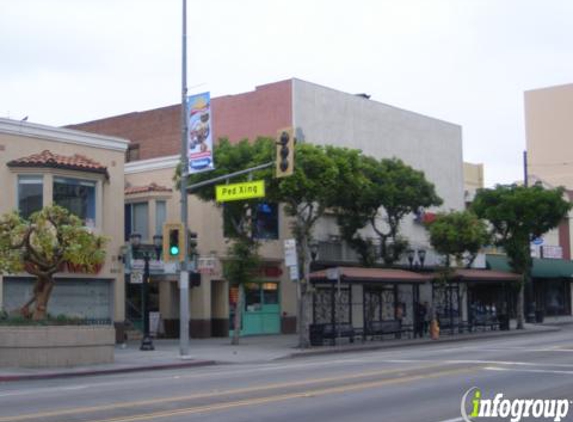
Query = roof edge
x=69 y=136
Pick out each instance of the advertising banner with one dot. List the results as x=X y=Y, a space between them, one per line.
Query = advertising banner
x=200 y=143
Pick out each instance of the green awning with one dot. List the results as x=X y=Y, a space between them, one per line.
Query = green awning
x=542 y=268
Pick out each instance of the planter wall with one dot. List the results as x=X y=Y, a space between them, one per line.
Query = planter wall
x=54 y=346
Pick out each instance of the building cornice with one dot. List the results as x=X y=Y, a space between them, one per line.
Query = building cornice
x=160 y=163
x=69 y=136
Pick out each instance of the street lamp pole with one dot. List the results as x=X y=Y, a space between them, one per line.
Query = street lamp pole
x=145 y=252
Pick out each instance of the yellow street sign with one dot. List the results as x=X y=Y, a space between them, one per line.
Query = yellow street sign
x=238 y=191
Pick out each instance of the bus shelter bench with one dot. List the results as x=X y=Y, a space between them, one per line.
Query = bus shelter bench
x=485 y=323
x=453 y=325
x=328 y=331
x=380 y=328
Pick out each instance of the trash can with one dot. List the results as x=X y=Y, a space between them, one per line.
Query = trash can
x=504 y=322
x=539 y=315
x=316 y=334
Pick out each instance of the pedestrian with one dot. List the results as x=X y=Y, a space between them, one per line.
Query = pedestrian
x=427 y=318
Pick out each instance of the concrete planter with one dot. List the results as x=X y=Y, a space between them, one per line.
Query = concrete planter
x=53 y=346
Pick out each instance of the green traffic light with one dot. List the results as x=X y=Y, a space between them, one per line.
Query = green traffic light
x=174 y=250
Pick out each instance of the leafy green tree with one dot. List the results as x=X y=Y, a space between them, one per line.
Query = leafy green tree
x=518 y=214
x=42 y=245
x=458 y=234
x=392 y=190
x=243 y=261
x=307 y=194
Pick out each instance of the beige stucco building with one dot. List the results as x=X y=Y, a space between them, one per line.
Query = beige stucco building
x=84 y=172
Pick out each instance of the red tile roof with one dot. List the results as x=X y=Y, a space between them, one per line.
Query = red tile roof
x=152 y=187
x=472 y=274
x=47 y=159
x=381 y=275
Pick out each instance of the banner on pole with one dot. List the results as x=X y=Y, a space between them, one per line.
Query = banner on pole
x=200 y=142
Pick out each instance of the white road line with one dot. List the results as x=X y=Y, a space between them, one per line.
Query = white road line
x=453 y=420
x=536 y=371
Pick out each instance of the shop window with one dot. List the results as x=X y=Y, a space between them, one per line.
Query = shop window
x=160 y=216
x=30 y=195
x=266 y=221
x=252 y=297
x=270 y=293
x=78 y=197
x=137 y=220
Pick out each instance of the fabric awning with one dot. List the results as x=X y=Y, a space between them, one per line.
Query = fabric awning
x=372 y=275
x=542 y=268
x=475 y=275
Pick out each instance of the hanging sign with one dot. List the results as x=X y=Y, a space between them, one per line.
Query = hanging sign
x=240 y=191
x=200 y=142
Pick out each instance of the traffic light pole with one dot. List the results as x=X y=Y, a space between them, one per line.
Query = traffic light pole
x=184 y=273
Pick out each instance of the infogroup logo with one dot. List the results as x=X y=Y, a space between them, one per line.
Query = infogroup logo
x=513 y=409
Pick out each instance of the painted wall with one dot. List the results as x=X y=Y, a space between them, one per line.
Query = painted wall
x=21 y=139
x=549 y=129
x=326 y=116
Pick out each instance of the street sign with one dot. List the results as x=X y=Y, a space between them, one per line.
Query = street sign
x=136 y=277
x=239 y=191
x=290 y=253
x=333 y=273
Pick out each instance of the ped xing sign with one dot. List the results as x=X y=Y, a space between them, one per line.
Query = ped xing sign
x=239 y=191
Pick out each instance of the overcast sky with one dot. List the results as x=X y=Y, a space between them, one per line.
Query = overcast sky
x=464 y=61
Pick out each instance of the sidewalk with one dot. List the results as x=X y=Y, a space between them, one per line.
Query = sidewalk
x=203 y=352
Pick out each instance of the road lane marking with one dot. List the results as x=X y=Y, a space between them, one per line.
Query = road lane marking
x=453 y=420
x=213 y=394
x=282 y=397
x=535 y=371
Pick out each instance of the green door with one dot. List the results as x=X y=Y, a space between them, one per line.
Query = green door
x=261 y=310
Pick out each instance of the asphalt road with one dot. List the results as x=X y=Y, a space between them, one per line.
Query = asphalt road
x=415 y=384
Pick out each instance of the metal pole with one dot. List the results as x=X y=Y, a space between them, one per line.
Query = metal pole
x=146 y=342
x=184 y=274
x=529 y=293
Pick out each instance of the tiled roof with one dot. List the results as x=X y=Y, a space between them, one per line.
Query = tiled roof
x=152 y=187
x=382 y=275
x=47 y=159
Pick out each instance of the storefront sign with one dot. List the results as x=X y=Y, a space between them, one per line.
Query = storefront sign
x=552 y=252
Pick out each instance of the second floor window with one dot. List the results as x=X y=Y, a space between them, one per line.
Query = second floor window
x=30 y=194
x=78 y=197
x=137 y=220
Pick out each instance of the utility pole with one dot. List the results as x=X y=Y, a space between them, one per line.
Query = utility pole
x=530 y=305
x=184 y=273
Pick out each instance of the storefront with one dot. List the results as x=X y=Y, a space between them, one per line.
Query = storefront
x=551 y=282
x=261 y=313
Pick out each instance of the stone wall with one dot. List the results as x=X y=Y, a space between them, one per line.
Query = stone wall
x=56 y=346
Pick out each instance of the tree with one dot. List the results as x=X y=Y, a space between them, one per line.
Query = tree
x=307 y=194
x=518 y=214
x=42 y=245
x=460 y=234
x=392 y=191
x=243 y=260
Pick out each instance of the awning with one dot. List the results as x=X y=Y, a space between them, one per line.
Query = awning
x=372 y=275
x=474 y=275
x=542 y=268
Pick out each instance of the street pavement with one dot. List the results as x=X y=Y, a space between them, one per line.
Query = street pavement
x=204 y=352
x=416 y=382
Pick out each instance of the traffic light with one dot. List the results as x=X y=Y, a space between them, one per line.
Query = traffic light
x=285 y=152
x=173 y=241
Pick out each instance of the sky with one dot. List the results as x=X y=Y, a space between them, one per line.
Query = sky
x=464 y=61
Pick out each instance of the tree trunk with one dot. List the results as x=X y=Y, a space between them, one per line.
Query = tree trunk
x=303 y=308
x=42 y=295
x=238 y=317
x=520 y=306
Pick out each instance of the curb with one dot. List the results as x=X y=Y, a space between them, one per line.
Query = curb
x=423 y=342
x=92 y=372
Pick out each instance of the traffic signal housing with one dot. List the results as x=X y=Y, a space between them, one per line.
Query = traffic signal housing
x=285 y=152
x=173 y=242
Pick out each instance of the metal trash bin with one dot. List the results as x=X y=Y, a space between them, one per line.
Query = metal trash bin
x=539 y=316
x=504 y=322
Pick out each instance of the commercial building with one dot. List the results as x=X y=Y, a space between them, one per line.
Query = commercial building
x=319 y=115
x=84 y=172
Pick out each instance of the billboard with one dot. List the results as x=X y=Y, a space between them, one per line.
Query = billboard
x=200 y=142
